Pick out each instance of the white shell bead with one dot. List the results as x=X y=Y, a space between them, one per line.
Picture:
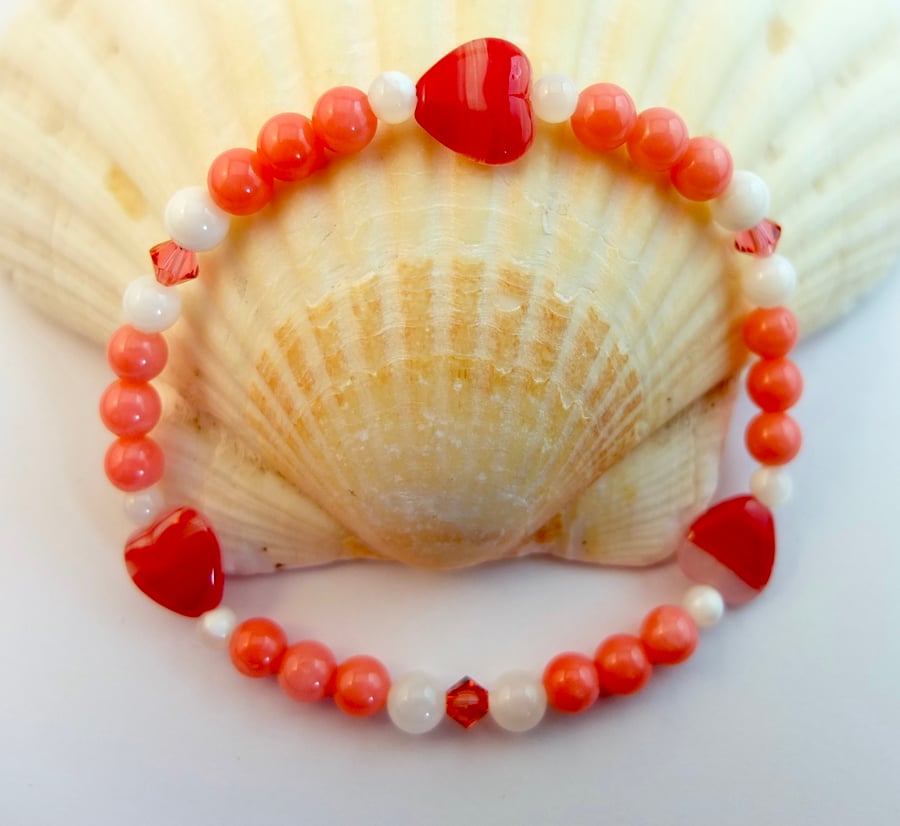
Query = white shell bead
x=744 y=203
x=193 y=220
x=416 y=703
x=517 y=701
x=143 y=506
x=217 y=626
x=770 y=281
x=554 y=98
x=773 y=486
x=150 y=306
x=392 y=97
x=705 y=605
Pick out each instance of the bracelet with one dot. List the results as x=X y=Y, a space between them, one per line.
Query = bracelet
x=479 y=102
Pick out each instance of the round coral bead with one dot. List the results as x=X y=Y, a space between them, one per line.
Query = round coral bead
x=134 y=464
x=774 y=384
x=239 y=183
x=307 y=671
x=361 y=686
x=669 y=635
x=773 y=438
x=571 y=682
x=130 y=408
x=658 y=140
x=704 y=170
x=771 y=332
x=257 y=646
x=136 y=355
x=288 y=147
x=344 y=120
x=622 y=664
x=604 y=117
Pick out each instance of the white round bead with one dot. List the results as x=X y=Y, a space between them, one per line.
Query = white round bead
x=143 y=506
x=194 y=221
x=150 y=306
x=773 y=486
x=770 y=281
x=704 y=604
x=743 y=204
x=517 y=701
x=217 y=626
x=416 y=703
x=554 y=98
x=392 y=97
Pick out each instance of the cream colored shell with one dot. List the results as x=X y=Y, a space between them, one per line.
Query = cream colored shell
x=412 y=356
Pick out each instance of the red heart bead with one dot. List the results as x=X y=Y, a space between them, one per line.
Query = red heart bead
x=474 y=100
x=732 y=548
x=176 y=562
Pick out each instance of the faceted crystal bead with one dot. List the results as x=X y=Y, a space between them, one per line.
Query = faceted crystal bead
x=467 y=702
x=760 y=240
x=173 y=264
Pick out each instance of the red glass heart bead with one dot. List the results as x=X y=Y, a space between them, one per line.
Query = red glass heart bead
x=475 y=101
x=467 y=702
x=173 y=264
x=732 y=548
x=176 y=562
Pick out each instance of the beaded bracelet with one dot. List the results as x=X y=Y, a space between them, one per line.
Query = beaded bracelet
x=477 y=101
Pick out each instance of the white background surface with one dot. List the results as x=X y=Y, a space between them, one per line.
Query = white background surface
x=112 y=712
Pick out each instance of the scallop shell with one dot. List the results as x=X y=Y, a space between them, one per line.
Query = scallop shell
x=415 y=357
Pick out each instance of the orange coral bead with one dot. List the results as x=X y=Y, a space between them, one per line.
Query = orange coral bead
x=658 y=140
x=571 y=682
x=307 y=671
x=257 y=646
x=130 y=408
x=343 y=120
x=704 y=171
x=622 y=664
x=604 y=117
x=771 y=332
x=288 y=146
x=773 y=438
x=239 y=183
x=361 y=686
x=669 y=635
x=774 y=384
x=134 y=464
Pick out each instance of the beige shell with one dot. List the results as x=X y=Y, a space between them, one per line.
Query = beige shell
x=415 y=357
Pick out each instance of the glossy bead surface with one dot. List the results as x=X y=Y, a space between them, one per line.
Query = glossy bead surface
x=415 y=703
x=134 y=464
x=771 y=332
x=704 y=170
x=622 y=664
x=361 y=686
x=238 y=182
x=288 y=148
x=466 y=702
x=554 y=98
x=475 y=101
x=136 y=355
x=257 y=646
x=149 y=306
x=571 y=682
x=744 y=203
x=705 y=605
x=518 y=701
x=774 y=384
x=144 y=506
x=307 y=671
x=773 y=438
x=343 y=120
x=669 y=635
x=771 y=485
x=604 y=117
x=217 y=626
x=658 y=140
x=130 y=408
x=768 y=282
x=392 y=96
x=194 y=221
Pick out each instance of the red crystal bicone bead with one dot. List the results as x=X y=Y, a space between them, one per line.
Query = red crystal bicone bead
x=173 y=264
x=760 y=240
x=474 y=101
x=176 y=562
x=467 y=702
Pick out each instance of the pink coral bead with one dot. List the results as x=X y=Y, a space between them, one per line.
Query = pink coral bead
x=658 y=140
x=604 y=117
x=343 y=120
x=130 y=408
x=307 y=671
x=361 y=686
x=134 y=464
x=135 y=355
x=704 y=171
